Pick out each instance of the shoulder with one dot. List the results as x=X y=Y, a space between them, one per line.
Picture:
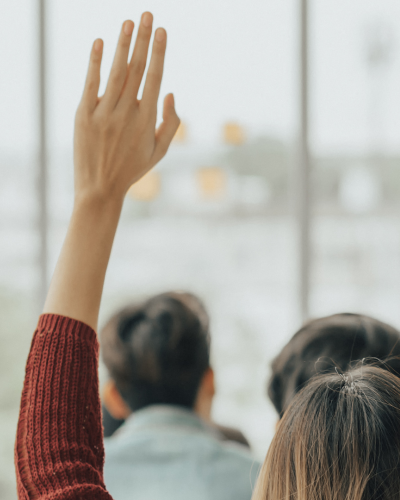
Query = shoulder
x=236 y=456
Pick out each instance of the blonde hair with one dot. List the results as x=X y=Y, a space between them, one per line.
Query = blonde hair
x=338 y=440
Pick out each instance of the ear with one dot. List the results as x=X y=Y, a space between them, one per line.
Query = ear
x=208 y=382
x=205 y=395
x=113 y=401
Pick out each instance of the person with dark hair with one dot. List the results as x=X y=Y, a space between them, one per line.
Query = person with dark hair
x=158 y=352
x=158 y=357
x=327 y=344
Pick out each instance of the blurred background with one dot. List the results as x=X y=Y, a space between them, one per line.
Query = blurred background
x=268 y=216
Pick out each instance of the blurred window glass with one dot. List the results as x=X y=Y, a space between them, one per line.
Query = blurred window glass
x=217 y=215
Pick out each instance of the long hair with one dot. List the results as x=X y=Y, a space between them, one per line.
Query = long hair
x=338 y=440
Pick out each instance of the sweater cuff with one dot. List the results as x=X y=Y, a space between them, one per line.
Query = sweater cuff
x=59 y=438
x=56 y=322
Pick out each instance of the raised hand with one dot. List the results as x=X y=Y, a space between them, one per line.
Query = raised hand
x=116 y=141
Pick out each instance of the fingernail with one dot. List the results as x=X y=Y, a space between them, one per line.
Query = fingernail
x=97 y=45
x=147 y=19
x=128 y=28
x=172 y=100
x=160 y=35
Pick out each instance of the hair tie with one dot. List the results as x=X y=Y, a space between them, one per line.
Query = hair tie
x=349 y=385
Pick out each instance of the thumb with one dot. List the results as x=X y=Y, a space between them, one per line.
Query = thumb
x=166 y=131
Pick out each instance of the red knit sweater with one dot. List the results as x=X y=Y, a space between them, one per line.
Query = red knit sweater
x=59 y=450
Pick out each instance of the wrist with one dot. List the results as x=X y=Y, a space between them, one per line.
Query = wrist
x=97 y=202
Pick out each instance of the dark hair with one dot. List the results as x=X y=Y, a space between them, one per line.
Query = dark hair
x=338 y=440
x=327 y=343
x=157 y=352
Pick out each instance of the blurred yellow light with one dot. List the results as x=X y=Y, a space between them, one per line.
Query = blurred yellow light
x=234 y=134
x=147 y=188
x=181 y=133
x=212 y=182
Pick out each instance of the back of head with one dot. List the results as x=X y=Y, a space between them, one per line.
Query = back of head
x=324 y=344
x=157 y=352
x=338 y=440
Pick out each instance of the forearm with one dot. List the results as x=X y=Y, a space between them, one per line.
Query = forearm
x=78 y=280
x=59 y=448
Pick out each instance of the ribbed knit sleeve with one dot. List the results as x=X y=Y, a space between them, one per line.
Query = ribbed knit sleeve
x=59 y=450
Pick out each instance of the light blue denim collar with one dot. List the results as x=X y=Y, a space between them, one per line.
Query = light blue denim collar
x=166 y=417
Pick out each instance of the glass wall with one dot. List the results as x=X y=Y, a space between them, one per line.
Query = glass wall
x=217 y=217
x=356 y=138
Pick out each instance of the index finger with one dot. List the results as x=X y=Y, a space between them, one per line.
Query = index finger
x=152 y=86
